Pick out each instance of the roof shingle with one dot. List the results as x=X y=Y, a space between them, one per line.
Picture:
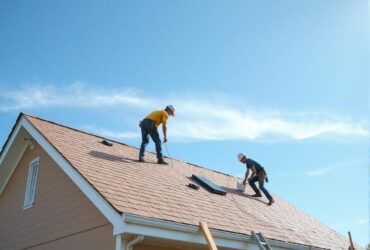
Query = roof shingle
x=161 y=192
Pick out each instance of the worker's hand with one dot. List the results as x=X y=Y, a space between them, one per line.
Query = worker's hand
x=244 y=182
x=165 y=140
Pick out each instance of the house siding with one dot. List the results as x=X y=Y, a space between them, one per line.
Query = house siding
x=61 y=218
x=153 y=247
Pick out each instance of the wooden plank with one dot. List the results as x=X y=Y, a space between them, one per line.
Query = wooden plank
x=352 y=247
x=207 y=233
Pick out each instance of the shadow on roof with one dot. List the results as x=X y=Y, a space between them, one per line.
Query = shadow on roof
x=233 y=191
x=110 y=157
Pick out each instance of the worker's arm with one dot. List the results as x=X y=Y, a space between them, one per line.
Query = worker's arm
x=164 y=128
x=254 y=172
x=246 y=176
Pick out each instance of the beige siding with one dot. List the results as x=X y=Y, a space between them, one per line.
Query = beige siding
x=61 y=213
x=153 y=247
x=170 y=247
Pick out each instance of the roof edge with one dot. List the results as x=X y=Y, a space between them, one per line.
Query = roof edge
x=141 y=225
x=111 y=214
x=10 y=134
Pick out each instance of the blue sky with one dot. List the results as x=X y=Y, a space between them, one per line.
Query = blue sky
x=284 y=81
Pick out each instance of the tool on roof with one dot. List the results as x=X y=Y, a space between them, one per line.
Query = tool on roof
x=193 y=186
x=107 y=143
x=209 y=185
x=351 y=247
x=169 y=156
x=261 y=241
x=240 y=186
x=208 y=235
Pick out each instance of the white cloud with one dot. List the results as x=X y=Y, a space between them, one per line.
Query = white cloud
x=319 y=172
x=114 y=134
x=326 y=170
x=77 y=94
x=363 y=221
x=198 y=118
x=209 y=120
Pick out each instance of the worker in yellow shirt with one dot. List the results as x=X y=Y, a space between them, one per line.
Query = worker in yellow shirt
x=149 y=126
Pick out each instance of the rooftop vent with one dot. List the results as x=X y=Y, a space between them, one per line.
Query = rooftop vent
x=107 y=143
x=209 y=185
x=193 y=186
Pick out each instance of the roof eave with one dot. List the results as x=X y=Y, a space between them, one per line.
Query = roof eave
x=141 y=225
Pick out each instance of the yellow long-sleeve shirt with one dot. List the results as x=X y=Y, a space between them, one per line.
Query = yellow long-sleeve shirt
x=158 y=116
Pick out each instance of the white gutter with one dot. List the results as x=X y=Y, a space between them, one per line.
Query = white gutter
x=135 y=224
x=118 y=242
x=133 y=242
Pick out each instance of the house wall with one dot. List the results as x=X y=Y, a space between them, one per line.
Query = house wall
x=152 y=247
x=172 y=246
x=61 y=218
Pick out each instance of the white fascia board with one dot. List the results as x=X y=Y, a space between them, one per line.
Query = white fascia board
x=135 y=224
x=10 y=142
x=104 y=207
x=176 y=231
x=13 y=167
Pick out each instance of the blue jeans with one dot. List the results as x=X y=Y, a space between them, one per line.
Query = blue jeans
x=148 y=128
x=260 y=177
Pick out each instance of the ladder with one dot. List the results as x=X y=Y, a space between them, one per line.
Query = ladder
x=261 y=241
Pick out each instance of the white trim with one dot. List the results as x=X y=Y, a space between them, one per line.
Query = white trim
x=10 y=142
x=119 y=242
x=133 y=242
x=135 y=224
x=104 y=207
x=14 y=167
x=33 y=171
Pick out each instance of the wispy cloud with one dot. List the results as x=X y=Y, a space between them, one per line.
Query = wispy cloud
x=78 y=94
x=198 y=118
x=350 y=223
x=326 y=170
x=363 y=221
x=212 y=121
x=319 y=172
x=111 y=134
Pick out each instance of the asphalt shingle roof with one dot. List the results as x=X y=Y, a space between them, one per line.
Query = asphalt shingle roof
x=161 y=192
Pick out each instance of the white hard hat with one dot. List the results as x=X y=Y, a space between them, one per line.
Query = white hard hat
x=241 y=156
x=172 y=108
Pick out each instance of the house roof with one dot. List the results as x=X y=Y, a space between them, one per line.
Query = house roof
x=162 y=192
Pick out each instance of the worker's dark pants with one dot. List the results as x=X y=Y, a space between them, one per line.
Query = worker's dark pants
x=260 y=177
x=148 y=128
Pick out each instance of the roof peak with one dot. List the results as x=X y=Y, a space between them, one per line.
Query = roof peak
x=121 y=143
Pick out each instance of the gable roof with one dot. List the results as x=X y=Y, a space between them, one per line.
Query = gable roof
x=161 y=192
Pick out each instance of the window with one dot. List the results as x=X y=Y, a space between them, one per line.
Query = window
x=29 y=197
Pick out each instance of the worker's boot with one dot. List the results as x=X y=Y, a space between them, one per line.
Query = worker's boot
x=271 y=202
x=141 y=159
x=161 y=161
x=257 y=195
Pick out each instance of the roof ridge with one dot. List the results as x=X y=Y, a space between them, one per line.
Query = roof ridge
x=88 y=133
x=75 y=129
